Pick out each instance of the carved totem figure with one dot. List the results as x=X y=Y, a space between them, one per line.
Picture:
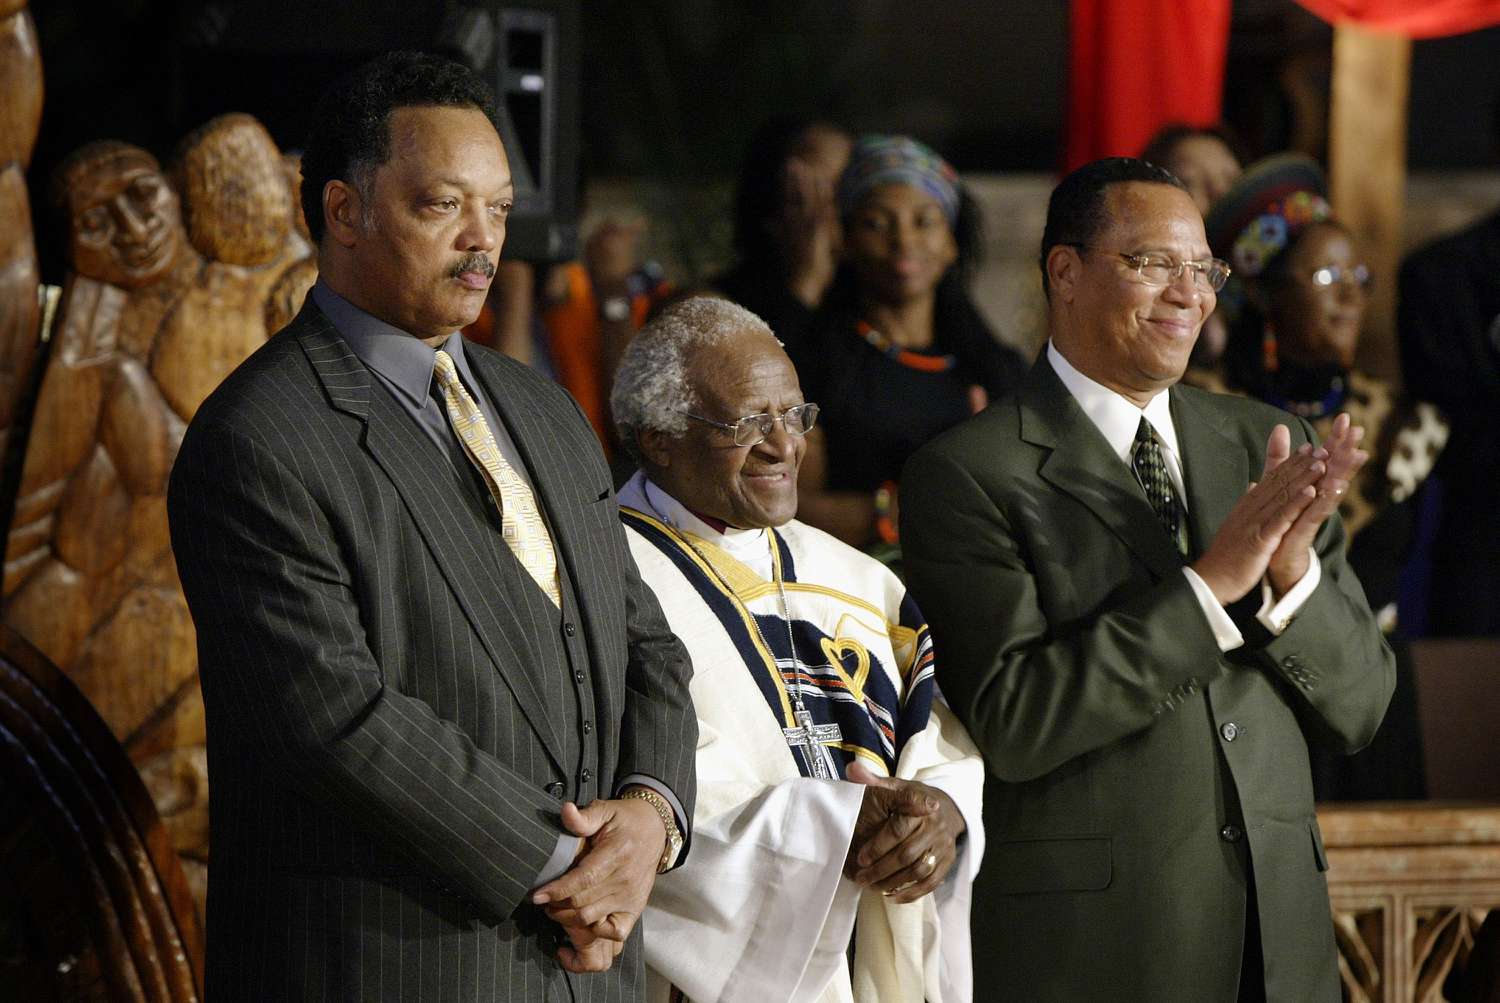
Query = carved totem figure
x=169 y=292
x=20 y=117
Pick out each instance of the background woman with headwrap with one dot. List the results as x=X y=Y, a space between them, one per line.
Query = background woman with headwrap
x=1295 y=326
x=899 y=352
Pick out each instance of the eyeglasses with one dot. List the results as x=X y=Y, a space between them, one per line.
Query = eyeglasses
x=752 y=429
x=1160 y=270
x=1157 y=270
x=1328 y=275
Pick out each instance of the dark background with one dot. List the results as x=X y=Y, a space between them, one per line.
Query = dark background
x=671 y=88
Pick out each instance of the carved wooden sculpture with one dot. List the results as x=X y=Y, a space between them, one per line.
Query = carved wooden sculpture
x=1411 y=887
x=93 y=903
x=20 y=117
x=169 y=292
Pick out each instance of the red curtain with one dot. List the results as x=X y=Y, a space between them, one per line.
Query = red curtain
x=1137 y=65
x=1412 y=18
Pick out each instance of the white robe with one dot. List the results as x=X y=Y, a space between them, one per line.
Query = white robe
x=761 y=912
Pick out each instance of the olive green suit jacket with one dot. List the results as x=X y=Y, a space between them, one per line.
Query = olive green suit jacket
x=1135 y=772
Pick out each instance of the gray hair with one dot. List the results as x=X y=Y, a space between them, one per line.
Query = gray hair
x=651 y=386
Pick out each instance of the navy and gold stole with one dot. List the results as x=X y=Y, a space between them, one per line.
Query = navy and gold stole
x=840 y=680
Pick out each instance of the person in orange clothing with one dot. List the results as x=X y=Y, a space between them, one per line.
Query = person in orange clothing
x=589 y=310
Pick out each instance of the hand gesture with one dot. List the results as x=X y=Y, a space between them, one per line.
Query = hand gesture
x=906 y=838
x=604 y=892
x=1289 y=563
x=1241 y=550
x=809 y=230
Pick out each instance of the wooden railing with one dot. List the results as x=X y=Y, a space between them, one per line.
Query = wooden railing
x=1412 y=885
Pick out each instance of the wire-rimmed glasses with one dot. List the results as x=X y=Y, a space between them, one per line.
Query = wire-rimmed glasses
x=752 y=429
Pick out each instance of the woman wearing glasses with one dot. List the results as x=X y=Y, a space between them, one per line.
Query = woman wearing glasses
x=898 y=353
x=1297 y=301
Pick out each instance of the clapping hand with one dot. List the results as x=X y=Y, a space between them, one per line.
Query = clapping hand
x=906 y=837
x=1289 y=563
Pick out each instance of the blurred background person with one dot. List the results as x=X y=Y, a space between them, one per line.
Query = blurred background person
x=1206 y=159
x=1203 y=157
x=898 y=352
x=1293 y=346
x=786 y=224
x=572 y=320
x=1449 y=329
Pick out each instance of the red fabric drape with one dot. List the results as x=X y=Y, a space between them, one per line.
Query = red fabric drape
x=1412 y=18
x=1137 y=65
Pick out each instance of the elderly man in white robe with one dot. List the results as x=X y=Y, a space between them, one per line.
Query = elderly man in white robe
x=837 y=828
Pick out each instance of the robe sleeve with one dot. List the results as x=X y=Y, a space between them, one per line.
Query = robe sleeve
x=758 y=916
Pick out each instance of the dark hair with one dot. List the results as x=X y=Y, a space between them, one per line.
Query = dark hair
x=1075 y=212
x=762 y=175
x=1159 y=149
x=352 y=135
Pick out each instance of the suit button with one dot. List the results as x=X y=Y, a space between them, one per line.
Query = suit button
x=586 y=776
x=588 y=727
x=1230 y=833
x=578 y=676
x=1230 y=731
x=555 y=788
x=569 y=629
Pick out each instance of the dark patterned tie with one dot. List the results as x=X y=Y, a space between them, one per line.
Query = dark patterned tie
x=1151 y=471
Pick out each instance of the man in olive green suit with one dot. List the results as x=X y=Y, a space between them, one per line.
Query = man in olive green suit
x=1142 y=642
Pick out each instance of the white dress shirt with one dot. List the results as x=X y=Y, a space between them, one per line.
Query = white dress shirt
x=1118 y=418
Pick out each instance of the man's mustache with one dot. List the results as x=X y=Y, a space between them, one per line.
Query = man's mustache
x=475 y=262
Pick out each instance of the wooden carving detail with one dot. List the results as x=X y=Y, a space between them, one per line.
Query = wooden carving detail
x=20 y=314
x=173 y=276
x=1360 y=936
x=1416 y=901
x=93 y=902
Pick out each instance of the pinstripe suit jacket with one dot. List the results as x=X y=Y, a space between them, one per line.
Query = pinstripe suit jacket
x=383 y=719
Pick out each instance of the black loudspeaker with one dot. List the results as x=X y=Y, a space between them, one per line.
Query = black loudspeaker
x=535 y=65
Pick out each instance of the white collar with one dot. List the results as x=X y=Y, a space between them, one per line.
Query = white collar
x=748 y=546
x=1116 y=416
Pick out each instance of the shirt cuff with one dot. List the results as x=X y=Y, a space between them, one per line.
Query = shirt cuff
x=642 y=780
x=562 y=858
x=1226 y=634
x=1276 y=616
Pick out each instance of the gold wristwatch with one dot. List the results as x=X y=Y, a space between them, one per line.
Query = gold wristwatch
x=668 y=820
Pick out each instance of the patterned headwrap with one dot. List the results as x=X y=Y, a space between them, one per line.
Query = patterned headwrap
x=1272 y=202
x=897 y=160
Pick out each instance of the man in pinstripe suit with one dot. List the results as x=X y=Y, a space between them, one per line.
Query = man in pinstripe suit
x=422 y=640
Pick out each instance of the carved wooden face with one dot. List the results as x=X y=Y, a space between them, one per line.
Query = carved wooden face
x=126 y=228
x=238 y=202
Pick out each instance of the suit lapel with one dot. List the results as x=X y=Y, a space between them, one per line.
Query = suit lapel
x=1214 y=466
x=1081 y=464
x=460 y=540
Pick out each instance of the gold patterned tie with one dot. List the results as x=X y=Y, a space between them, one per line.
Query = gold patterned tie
x=520 y=520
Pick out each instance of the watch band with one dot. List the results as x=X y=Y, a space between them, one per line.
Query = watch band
x=668 y=820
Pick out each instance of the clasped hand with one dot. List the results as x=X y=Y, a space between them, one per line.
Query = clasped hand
x=599 y=899
x=906 y=837
x=1268 y=532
